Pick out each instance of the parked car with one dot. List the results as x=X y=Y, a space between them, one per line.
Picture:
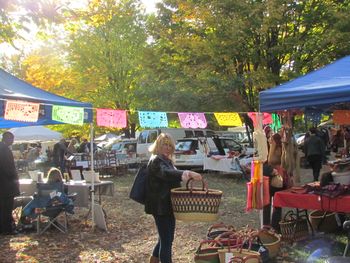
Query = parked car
x=300 y=139
x=125 y=146
x=147 y=137
x=190 y=152
x=228 y=145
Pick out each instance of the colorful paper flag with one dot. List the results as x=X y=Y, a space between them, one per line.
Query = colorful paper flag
x=67 y=114
x=267 y=118
x=192 y=120
x=276 y=122
x=341 y=117
x=21 y=111
x=153 y=119
x=228 y=118
x=111 y=118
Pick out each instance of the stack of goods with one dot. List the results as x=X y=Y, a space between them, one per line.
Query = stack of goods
x=224 y=244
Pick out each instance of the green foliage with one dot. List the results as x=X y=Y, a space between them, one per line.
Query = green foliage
x=190 y=56
x=105 y=52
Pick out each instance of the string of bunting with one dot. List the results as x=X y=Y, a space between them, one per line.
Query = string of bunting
x=29 y=112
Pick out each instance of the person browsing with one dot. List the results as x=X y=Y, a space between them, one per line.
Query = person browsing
x=9 y=185
x=314 y=149
x=163 y=176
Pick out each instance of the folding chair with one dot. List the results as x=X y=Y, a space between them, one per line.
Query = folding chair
x=55 y=208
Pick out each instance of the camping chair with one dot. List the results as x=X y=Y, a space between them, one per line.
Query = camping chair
x=52 y=205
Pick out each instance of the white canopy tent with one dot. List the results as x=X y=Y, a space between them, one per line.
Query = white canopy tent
x=108 y=136
x=35 y=133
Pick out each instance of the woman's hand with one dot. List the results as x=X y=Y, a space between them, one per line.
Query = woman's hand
x=195 y=176
x=191 y=175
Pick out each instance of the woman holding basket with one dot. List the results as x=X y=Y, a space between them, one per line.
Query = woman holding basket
x=162 y=177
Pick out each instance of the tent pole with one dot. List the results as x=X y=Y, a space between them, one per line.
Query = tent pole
x=93 y=176
x=261 y=176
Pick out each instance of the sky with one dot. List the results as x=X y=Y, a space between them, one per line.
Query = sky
x=7 y=49
x=150 y=5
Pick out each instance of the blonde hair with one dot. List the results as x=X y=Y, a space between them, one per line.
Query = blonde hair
x=54 y=176
x=163 y=138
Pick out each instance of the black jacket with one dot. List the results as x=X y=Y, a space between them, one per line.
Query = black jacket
x=162 y=177
x=314 y=145
x=9 y=186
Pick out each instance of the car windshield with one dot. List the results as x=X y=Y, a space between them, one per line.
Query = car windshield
x=117 y=147
x=186 y=145
x=231 y=145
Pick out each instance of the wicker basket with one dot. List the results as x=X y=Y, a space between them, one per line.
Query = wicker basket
x=328 y=224
x=293 y=227
x=196 y=204
x=271 y=240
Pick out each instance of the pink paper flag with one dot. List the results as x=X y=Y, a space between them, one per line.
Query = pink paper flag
x=192 y=120
x=111 y=118
x=267 y=118
x=21 y=111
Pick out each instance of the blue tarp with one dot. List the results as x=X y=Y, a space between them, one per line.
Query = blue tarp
x=13 y=88
x=319 y=89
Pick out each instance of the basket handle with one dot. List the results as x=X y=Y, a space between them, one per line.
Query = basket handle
x=189 y=185
x=233 y=241
x=220 y=226
x=291 y=215
x=270 y=230
x=211 y=243
x=238 y=259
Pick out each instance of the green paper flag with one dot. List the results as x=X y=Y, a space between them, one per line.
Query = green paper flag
x=276 y=124
x=71 y=115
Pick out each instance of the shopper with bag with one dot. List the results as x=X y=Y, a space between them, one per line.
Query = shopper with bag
x=272 y=169
x=162 y=177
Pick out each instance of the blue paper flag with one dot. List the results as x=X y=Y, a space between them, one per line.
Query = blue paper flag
x=151 y=119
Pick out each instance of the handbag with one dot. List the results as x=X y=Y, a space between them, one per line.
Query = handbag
x=138 y=188
x=244 y=245
x=277 y=181
x=259 y=247
x=218 y=229
x=196 y=204
x=294 y=227
x=207 y=252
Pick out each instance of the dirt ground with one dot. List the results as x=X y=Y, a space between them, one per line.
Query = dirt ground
x=131 y=233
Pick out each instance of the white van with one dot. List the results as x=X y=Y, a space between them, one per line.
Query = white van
x=238 y=133
x=147 y=137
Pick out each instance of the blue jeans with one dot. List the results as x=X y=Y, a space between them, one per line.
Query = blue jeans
x=166 y=230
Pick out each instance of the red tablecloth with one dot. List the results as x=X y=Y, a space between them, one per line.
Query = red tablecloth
x=312 y=202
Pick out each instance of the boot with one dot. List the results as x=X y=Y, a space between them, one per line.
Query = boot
x=154 y=259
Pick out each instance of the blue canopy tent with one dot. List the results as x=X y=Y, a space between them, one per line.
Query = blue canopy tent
x=320 y=89
x=12 y=88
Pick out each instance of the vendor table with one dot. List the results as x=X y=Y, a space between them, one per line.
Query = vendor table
x=308 y=201
x=83 y=191
x=28 y=187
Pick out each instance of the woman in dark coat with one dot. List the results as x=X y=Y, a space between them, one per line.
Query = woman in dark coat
x=163 y=176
